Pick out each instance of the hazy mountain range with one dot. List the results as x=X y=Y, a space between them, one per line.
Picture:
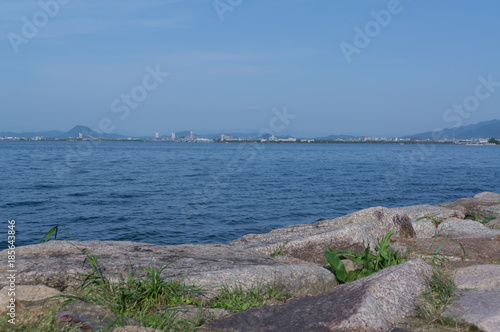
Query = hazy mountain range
x=484 y=129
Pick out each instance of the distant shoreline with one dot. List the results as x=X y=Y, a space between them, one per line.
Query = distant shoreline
x=246 y=141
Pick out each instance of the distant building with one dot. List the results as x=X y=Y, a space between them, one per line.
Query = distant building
x=80 y=135
x=173 y=135
x=157 y=135
x=226 y=137
x=191 y=136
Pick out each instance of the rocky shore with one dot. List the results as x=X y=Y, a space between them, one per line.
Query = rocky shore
x=461 y=239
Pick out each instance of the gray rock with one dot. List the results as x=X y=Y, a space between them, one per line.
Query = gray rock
x=307 y=242
x=480 y=308
x=464 y=228
x=424 y=229
x=368 y=304
x=55 y=263
x=26 y=296
x=488 y=196
x=207 y=313
x=424 y=212
x=486 y=204
x=480 y=304
x=481 y=277
x=493 y=224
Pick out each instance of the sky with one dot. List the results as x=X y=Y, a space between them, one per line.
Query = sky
x=311 y=67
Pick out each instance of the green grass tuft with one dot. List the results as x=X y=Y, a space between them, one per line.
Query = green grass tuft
x=237 y=298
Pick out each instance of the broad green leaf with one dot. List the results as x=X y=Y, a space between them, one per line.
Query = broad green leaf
x=335 y=262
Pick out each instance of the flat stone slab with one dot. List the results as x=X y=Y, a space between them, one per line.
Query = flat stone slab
x=479 y=307
x=369 y=304
x=476 y=249
x=25 y=296
x=55 y=263
x=423 y=212
x=465 y=228
x=481 y=277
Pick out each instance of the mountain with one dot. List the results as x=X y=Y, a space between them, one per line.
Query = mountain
x=52 y=134
x=74 y=132
x=485 y=129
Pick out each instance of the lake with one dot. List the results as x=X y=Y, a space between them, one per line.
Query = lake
x=176 y=193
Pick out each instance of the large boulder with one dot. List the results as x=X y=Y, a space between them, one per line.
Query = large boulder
x=369 y=304
x=480 y=308
x=486 y=204
x=55 y=264
x=479 y=303
x=307 y=242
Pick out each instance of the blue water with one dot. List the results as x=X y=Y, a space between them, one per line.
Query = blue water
x=174 y=193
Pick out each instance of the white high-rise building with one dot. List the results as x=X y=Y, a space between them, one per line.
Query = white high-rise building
x=80 y=135
x=191 y=135
x=157 y=135
x=173 y=135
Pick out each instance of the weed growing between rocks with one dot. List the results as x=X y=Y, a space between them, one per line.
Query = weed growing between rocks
x=435 y=220
x=477 y=217
x=53 y=231
x=370 y=263
x=436 y=256
x=237 y=298
x=440 y=292
x=278 y=251
x=148 y=299
x=40 y=321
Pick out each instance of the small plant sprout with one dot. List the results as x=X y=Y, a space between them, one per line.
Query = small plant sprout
x=278 y=251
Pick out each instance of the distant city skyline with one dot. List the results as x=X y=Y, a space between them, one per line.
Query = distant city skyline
x=381 y=68
x=484 y=130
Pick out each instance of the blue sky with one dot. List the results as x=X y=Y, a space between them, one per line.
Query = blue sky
x=229 y=75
